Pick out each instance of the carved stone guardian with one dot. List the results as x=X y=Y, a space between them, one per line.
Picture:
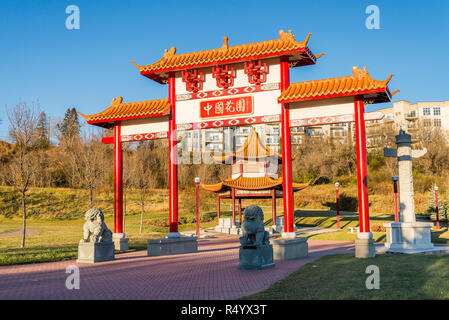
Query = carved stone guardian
x=96 y=245
x=255 y=251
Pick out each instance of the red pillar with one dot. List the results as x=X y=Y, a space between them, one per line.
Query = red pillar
x=118 y=179
x=218 y=209
x=337 y=203
x=286 y=152
x=197 y=187
x=437 y=208
x=233 y=206
x=396 y=198
x=172 y=158
x=240 y=211
x=273 y=205
x=362 y=171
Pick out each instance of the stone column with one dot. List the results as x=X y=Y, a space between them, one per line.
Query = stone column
x=406 y=193
x=407 y=235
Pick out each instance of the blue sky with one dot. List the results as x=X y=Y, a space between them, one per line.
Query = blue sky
x=86 y=68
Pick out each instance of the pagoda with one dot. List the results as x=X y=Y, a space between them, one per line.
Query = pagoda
x=254 y=174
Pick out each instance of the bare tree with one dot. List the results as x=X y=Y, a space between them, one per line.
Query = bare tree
x=22 y=132
x=140 y=174
x=89 y=159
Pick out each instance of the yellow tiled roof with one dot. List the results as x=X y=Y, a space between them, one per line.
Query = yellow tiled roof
x=172 y=61
x=248 y=183
x=252 y=149
x=359 y=82
x=131 y=110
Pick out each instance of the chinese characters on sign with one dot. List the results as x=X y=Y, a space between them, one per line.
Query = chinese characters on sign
x=226 y=107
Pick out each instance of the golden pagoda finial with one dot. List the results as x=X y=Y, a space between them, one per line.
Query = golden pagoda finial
x=389 y=78
x=393 y=93
x=307 y=39
x=359 y=73
x=85 y=117
x=225 y=43
x=117 y=101
x=136 y=65
x=169 y=53
x=286 y=36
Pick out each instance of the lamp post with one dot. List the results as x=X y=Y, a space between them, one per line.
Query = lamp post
x=396 y=198
x=436 y=207
x=197 y=183
x=337 y=201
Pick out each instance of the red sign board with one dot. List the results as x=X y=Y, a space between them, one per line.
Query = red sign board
x=226 y=107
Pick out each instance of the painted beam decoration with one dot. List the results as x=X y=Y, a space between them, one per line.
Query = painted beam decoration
x=317 y=121
x=226 y=107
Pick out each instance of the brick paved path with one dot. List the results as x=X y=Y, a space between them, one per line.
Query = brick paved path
x=209 y=274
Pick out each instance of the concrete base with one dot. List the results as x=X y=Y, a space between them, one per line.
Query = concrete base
x=228 y=230
x=364 y=247
x=173 y=235
x=434 y=250
x=287 y=249
x=227 y=222
x=256 y=257
x=121 y=244
x=168 y=246
x=89 y=252
x=408 y=237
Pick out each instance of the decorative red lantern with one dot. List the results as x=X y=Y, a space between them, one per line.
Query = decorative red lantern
x=224 y=76
x=193 y=80
x=256 y=74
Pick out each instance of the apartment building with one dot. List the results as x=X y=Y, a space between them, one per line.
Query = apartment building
x=232 y=138
x=402 y=114
x=405 y=115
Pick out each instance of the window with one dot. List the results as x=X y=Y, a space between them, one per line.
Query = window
x=437 y=112
x=427 y=123
x=426 y=112
x=437 y=122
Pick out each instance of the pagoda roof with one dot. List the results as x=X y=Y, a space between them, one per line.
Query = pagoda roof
x=250 y=183
x=299 y=54
x=359 y=83
x=253 y=149
x=132 y=110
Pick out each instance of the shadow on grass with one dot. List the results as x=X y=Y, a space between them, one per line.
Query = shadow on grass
x=402 y=277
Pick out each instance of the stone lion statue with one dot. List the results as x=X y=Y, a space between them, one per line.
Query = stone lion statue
x=95 y=230
x=254 y=233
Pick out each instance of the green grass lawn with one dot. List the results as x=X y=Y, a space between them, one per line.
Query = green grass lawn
x=344 y=277
x=58 y=239
x=58 y=213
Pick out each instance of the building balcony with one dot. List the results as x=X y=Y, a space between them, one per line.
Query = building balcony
x=411 y=115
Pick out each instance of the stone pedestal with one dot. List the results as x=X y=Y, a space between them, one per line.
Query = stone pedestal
x=364 y=245
x=408 y=237
x=225 y=226
x=256 y=257
x=90 y=252
x=168 y=246
x=287 y=249
x=120 y=242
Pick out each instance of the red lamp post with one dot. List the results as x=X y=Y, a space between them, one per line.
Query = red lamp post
x=436 y=207
x=396 y=198
x=197 y=183
x=337 y=202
